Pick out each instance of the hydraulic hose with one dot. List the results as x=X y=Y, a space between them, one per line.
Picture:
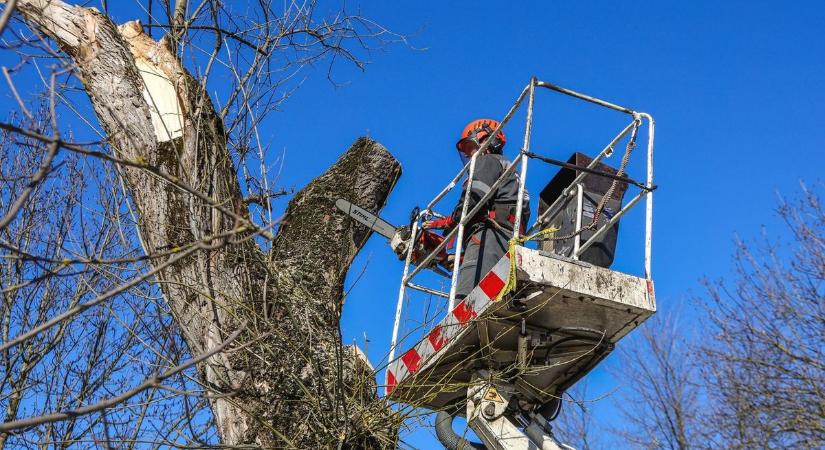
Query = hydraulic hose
x=449 y=438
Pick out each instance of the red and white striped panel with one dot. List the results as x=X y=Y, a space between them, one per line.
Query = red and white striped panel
x=451 y=326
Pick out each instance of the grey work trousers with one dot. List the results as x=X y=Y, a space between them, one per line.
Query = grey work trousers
x=483 y=249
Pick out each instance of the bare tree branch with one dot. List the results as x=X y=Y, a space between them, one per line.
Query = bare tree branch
x=7 y=12
x=164 y=143
x=153 y=382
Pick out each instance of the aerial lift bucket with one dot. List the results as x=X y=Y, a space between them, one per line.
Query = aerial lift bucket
x=542 y=318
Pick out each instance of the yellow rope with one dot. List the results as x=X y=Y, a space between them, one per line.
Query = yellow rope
x=510 y=285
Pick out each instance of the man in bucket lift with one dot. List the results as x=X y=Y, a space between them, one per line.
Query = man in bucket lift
x=487 y=234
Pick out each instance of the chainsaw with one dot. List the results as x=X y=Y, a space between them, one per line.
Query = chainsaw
x=400 y=238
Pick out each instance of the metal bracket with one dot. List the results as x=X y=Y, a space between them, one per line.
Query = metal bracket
x=490 y=415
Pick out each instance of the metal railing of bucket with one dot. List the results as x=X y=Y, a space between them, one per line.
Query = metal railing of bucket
x=521 y=160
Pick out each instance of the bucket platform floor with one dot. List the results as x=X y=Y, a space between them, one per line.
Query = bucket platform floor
x=572 y=313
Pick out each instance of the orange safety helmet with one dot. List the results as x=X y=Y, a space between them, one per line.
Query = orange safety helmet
x=474 y=135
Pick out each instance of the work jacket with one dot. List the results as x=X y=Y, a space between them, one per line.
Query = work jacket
x=501 y=208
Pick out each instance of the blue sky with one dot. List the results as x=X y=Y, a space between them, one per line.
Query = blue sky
x=736 y=88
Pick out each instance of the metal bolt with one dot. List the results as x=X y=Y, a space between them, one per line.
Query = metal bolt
x=489 y=410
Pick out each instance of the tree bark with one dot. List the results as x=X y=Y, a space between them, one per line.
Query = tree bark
x=292 y=384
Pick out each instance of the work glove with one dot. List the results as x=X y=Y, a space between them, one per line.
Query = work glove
x=438 y=224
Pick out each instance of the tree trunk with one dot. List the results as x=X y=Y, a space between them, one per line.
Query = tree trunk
x=292 y=384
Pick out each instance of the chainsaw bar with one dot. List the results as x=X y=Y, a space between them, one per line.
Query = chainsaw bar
x=378 y=225
x=367 y=218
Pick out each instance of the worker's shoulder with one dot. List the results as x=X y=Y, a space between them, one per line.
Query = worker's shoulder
x=493 y=160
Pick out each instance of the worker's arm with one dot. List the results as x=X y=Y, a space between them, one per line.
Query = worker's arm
x=487 y=171
x=438 y=224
